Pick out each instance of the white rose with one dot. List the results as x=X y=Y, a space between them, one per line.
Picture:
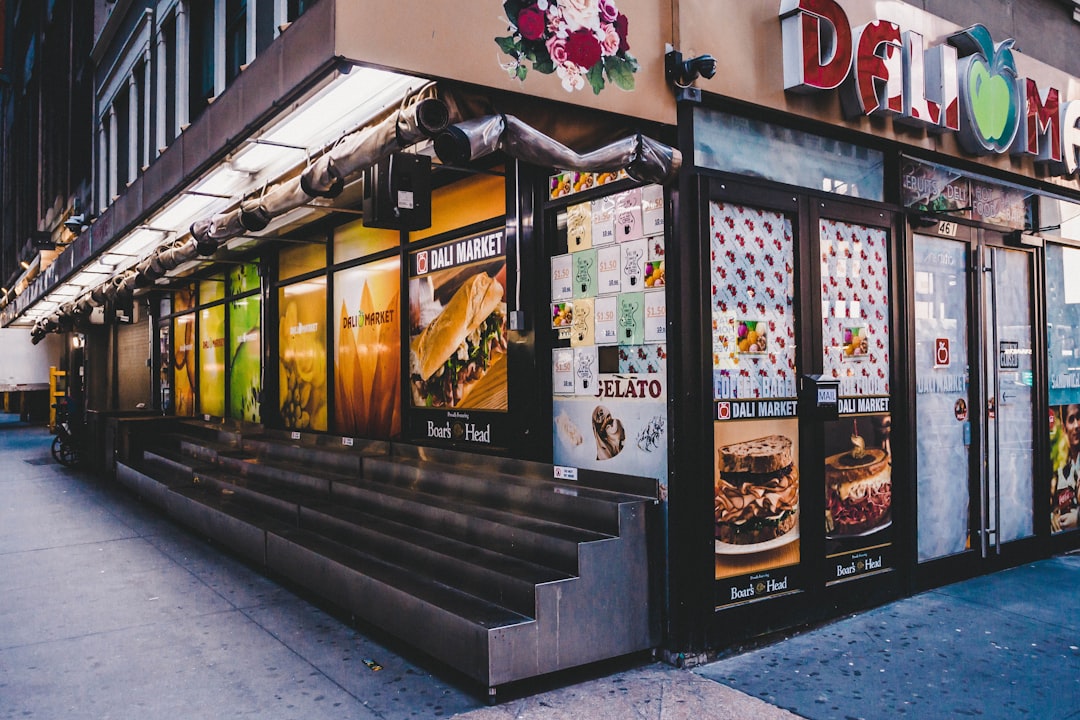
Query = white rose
x=581 y=13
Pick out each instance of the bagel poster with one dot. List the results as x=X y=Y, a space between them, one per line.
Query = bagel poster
x=457 y=327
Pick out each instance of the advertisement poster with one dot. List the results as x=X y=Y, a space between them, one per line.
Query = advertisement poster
x=755 y=438
x=245 y=359
x=458 y=325
x=302 y=398
x=753 y=313
x=756 y=484
x=367 y=350
x=858 y=459
x=617 y=423
x=855 y=312
x=1063 y=370
x=212 y=361
x=183 y=362
x=858 y=496
x=1065 y=464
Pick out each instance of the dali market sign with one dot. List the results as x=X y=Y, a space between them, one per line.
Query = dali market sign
x=969 y=85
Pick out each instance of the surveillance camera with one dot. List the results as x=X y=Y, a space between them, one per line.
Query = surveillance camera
x=684 y=72
x=75 y=223
x=701 y=66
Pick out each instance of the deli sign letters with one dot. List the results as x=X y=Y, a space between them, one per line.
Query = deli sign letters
x=969 y=85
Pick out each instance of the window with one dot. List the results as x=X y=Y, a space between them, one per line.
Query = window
x=167 y=75
x=235 y=38
x=201 y=57
x=298 y=8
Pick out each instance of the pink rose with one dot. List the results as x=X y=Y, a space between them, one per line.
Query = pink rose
x=608 y=11
x=583 y=49
x=531 y=23
x=610 y=41
x=556 y=48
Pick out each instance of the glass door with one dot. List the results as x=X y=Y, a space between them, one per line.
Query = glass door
x=974 y=409
x=1006 y=495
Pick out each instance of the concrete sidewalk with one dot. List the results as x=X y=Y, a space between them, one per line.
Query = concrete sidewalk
x=108 y=610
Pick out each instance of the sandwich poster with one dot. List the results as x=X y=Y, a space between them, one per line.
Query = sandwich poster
x=858 y=496
x=212 y=361
x=367 y=348
x=756 y=506
x=457 y=325
x=302 y=397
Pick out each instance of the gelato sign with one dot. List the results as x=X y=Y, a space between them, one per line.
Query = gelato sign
x=969 y=85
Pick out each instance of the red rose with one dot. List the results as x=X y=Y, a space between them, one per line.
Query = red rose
x=583 y=49
x=622 y=27
x=531 y=23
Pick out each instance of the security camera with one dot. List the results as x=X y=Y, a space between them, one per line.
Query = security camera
x=683 y=72
x=75 y=223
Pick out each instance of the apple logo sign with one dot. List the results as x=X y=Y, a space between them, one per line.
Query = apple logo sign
x=989 y=93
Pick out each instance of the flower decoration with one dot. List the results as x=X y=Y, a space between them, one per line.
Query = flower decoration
x=581 y=41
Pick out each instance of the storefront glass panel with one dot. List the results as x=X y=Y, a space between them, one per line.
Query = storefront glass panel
x=243 y=278
x=754 y=334
x=183 y=361
x=211 y=289
x=302 y=399
x=855 y=313
x=1010 y=436
x=165 y=398
x=356 y=240
x=467 y=202
x=731 y=143
x=367 y=350
x=301 y=258
x=1063 y=368
x=942 y=404
x=212 y=360
x=245 y=358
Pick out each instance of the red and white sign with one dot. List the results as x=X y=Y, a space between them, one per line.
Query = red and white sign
x=968 y=84
x=942 y=355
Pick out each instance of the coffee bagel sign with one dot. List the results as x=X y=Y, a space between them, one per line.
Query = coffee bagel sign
x=968 y=85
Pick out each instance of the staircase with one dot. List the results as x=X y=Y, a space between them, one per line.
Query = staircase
x=487 y=564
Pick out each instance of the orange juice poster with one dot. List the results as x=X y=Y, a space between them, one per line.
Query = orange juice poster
x=367 y=342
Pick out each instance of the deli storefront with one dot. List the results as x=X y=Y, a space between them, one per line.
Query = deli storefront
x=841 y=337
x=875 y=275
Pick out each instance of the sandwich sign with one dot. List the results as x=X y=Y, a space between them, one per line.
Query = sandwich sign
x=968 y=85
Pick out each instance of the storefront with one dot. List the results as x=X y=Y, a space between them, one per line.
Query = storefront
x=826 y=293
x=886 y=240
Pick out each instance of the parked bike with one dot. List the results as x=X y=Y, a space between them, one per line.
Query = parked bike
x=65 y=446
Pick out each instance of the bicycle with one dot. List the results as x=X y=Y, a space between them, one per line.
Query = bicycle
x=65 y=446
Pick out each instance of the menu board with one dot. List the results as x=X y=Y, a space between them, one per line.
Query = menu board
x=756 y=433
x=858 y=454
x=609 y=369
